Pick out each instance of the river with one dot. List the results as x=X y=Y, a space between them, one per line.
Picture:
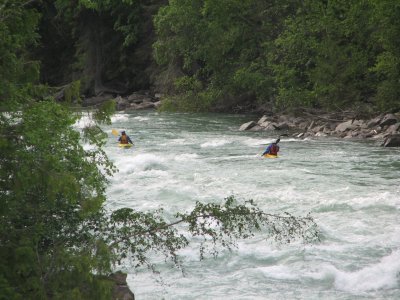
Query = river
x=351 y=188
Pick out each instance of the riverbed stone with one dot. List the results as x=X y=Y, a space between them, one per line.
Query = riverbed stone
x=389 y=119
x=345 y=126
x=392 y=129
x=374 y=122
x=262 y=120
x=247 y=126
x=256 y=128
x=392 y=141
x=121 y=290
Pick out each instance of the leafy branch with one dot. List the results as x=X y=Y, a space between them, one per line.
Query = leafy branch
x=135 y=235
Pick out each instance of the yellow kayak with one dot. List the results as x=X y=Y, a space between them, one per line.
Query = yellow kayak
x=125 y=145
x=270 y=156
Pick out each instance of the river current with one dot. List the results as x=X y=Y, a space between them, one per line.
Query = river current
x=351 y=188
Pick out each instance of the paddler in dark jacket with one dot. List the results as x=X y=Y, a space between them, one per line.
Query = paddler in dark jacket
x=124 y=139
x=272 y=148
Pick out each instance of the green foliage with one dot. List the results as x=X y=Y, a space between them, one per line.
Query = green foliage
x=220 y=43
x=387 y=67
x=17 y=71
x=51 y=187
x=325 y=54
x=72 y=92
x=139 y=234
x=103 y=114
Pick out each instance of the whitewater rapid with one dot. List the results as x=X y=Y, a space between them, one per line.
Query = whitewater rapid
x=351 y=188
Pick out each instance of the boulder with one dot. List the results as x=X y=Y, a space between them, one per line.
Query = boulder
x=389 y=119
x=282 y=126
x=265 y=124
x=392 y=141
x=345 y=126
x=374 y=122
x=121 y=103
x=157 y=104
x=393 y=129
x=145 y=105
x=256 y=128
x=138 y=98
x=121 y=290
x=319 y=133
x=247 y=126
x=262 y=120
x=93 y=101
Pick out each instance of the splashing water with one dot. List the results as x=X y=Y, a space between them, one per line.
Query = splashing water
x=351 y=189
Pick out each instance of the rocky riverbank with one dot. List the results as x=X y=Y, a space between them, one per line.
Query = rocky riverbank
x=135 y=101
x=384 y=128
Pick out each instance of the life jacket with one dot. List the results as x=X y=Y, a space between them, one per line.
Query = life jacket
x=274 y=149
x=124 y=139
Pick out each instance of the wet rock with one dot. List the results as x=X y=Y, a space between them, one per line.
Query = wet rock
x=121 y=103
x=247 y=126
x=345 y=126
x=145 y=105
x=256 y=128
x=374 y=122
x=93 y=101
x=157 y=104
x=282 y=126
x=392 y=141
x=389 y=119
x=319 y=134
x=262 y=120
x=121 y=290
x=392 y=129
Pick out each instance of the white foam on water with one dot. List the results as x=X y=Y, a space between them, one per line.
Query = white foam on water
x=139 y=118
x=84 y=121
x=279 y=272
x=382 y=275
x=88 y=147
x=140 y=162
x=186 y=157
x=119 y=118
x=215 y=143
x=176 y=142
x=359 y=222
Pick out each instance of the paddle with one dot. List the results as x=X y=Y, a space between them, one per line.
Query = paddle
x=114 y=132
x=278 y=140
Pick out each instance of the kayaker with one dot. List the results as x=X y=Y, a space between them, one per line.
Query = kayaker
x=272 y=148
x=124 y=138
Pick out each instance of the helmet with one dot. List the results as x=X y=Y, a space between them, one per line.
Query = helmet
x=123 y=132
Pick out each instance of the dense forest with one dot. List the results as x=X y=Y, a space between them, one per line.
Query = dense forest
x=56 y=239
x=225 y=55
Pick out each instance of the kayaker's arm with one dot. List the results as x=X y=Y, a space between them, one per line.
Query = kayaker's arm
x=266 y=150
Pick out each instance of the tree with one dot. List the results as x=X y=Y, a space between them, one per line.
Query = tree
x=219 y=47
x=387 y=65
x=323 y=57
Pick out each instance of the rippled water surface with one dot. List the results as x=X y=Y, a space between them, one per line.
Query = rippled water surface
x=351 y=189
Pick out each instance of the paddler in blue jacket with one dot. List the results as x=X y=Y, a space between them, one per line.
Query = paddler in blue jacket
x=272 y=148
x=124 y=139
